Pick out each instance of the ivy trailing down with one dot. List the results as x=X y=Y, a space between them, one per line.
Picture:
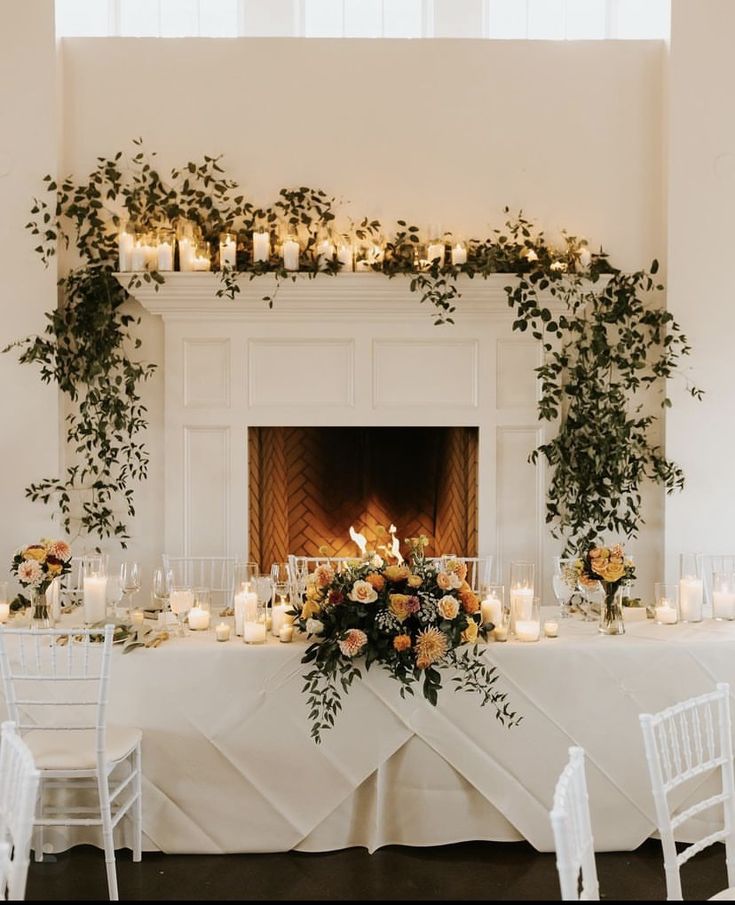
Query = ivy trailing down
x=606 y=340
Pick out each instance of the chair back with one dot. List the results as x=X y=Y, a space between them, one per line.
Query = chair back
x=479 y=569
x=683 y=742
x=57 y=679
x=214 y=572
x=19 y=780
x=570 y=823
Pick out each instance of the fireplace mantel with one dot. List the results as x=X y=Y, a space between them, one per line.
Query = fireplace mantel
x=353 y=350
x=369 y=296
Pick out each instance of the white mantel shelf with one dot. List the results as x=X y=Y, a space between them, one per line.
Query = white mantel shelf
x=367 y=296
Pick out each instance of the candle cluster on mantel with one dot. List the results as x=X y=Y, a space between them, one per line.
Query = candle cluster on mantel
x=141 y=250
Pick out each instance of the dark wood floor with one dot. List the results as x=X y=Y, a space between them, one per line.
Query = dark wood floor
x=473 y=870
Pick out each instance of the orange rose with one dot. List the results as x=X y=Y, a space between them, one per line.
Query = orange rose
x=414 y=581
x=448 y=606
x=443 y=580
x=396 y=573
x=376 y=580
x=401 y=642
x=470 y=603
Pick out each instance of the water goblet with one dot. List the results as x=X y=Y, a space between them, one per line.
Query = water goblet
x=130 y=581
x=180 y=601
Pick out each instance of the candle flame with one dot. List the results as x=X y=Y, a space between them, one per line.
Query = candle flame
x=359 y=539
x=395 y=547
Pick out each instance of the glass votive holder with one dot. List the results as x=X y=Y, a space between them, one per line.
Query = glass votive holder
x=666 y=609
x=723 y=596
x=200 y=613
x=528 y=628
x=492 y=604
x=254 y=626
x=227 y=251
x=165 y=249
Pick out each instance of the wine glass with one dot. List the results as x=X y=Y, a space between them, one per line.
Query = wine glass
x=163 y=580
x=130 y=581
x=564 y=583
x=180 y=600
x=281 y=578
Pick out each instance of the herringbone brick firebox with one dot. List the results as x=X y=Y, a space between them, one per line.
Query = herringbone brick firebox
x=307 y=485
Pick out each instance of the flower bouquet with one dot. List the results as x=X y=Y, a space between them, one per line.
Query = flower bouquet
x=36 y=566
x=609 y=569
x=412 y=619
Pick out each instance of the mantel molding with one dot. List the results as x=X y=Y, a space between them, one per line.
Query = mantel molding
x=367 y=296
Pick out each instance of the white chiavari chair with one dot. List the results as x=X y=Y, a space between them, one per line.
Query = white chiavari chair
x=19 y=780
x=214 y=572
x=56 y=684
x=570 y=823
x=689 y=740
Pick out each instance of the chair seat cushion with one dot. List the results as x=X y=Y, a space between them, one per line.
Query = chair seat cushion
x=726 y=895
x=76 y=749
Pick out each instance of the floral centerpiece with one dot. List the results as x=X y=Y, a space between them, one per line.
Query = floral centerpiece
x=607 y=568
x=36 y=566
x=412 y=619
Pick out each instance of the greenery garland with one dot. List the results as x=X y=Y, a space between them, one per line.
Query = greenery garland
x=606 y=342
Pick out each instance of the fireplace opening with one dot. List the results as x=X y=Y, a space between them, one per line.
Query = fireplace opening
x=307 y=485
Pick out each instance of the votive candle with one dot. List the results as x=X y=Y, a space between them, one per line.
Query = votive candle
x=222 y=632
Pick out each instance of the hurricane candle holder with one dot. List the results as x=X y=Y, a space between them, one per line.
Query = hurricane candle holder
x=245 y=592
x=691 y=588
x=261 y=246
x=723 y=596
x=529 y=627
x=94 y=588
x=492 y=604
x=522 y=578
x=200 y=613
x=165 y=242
x=227 y=251
x=255 y=616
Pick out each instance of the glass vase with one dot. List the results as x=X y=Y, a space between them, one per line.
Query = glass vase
x=611 y=610
x=40 y=610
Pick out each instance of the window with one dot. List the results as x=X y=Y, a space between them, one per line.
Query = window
x=517 y=19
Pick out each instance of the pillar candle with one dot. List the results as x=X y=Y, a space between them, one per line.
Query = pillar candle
x=325 y=253
x=528 y=629
x=246 y=606
x=690 y=599
x=491 y=609
x=94 y=598
x=664 y=613
x=261 y=246
x=138 y=256
x=227 y=253
x=291 y=254
x=723 y=605
x=165 y=256
x=521 y=602
x=198 y=619
x=436 y=250
x=151 y=256
x=53 y=600
x=254 y=632
x=279 y=618
x=4 y=612
x=125 y=242
x=186 y=254
x=459 y=255
x=344 y=256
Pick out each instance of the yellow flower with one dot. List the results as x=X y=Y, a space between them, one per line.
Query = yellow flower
x=310 y=608
x=458 y=568
x=414 y=581
x=443 y=580
x=396 y=573
x=376 y=580
x=53 y=568
x=613 y=572
x=400 y=606
x=431 y=645
x=469 y=635
x=35 y=551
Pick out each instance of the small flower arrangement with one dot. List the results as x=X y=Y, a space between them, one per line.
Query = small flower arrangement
x=412 y=618
x=37 y=565
x=606 y=565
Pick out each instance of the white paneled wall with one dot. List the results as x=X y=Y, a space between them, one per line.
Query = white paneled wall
x=355 y=350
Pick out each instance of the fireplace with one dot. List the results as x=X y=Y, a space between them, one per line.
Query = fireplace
x=307 y=485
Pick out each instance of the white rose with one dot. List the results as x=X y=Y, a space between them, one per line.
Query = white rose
x=454 y=580
x=314 y=626
x=376 y=562
x=363 y=592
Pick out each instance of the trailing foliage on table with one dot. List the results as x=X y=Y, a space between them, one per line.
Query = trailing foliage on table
x=606 y=340
x=412 y=619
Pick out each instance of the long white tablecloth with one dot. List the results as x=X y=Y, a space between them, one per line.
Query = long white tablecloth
x=229 y=764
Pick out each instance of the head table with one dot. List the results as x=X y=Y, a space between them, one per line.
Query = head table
x=230 y=766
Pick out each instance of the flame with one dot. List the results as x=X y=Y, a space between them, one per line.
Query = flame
x=359 y=539
x=395 y=546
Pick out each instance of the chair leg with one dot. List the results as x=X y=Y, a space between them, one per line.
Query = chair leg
x=106 y=816
x=137 y=809
x=38 y=830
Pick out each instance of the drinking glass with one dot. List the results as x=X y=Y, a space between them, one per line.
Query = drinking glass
x=130 y=581
x=163 y=580
x=180 y=601
x=564 y=583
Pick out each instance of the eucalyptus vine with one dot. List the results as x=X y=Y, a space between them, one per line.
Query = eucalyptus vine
x=606 y=341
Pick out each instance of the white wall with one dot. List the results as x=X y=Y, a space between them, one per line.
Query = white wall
x=28 y=138
x=701 y=281
x=438 y=131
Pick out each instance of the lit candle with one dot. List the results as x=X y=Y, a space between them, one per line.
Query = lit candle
x=151 y=255
x=723 y=604
x=254 y=632
x=227 y=251
x=246 y=606
x=94 y=598
x=4 y=612
x=165 y=255
x=286 y=634
x=137 y=617
x=222 y=632
x=344 y=256
x=528 y=629
x=198 y=619
x=53 y=601
x=138 y=256
x=491 y=609
x=279 y=617
x=551 y=629
x=125 y=242
x=186 y=254
x=691 y=592
x=459 y=254
x=291 y=254
x=200 y=262
x=664 y=613
x=521 y=602
x=500 y=633
x=325 y=252
x=435 y=251
x=261 y=246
